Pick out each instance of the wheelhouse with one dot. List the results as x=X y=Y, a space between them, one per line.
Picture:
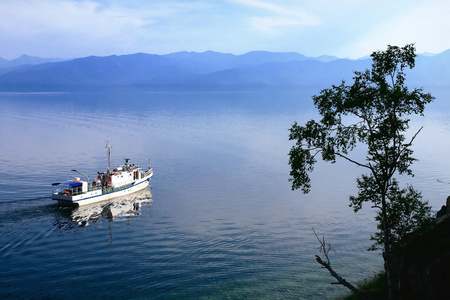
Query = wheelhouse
x=70 y=187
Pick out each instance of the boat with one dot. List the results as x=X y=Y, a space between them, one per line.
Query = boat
x=120 y=181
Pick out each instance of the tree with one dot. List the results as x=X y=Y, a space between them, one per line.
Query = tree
x=374 y=111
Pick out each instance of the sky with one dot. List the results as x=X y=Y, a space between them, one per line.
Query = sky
x=344 y=28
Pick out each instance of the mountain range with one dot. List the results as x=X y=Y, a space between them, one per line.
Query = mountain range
x=202 y=70
x=26 y=60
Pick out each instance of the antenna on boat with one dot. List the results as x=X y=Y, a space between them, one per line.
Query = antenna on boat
x=108 y=152
x=149 y=164
x=73 y=170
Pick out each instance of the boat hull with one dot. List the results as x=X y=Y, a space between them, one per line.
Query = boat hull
x=98 y=196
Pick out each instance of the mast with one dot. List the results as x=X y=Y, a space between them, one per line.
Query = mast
x=73 y=170
x=108 y=152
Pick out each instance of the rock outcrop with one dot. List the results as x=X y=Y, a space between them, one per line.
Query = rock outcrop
x=425 y=267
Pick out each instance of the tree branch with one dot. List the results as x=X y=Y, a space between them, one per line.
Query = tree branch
x=405 y=146
x=327 y=265
x=353 y=161
x=412 y=139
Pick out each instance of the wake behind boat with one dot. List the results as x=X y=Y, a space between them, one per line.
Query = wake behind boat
x=121 y=181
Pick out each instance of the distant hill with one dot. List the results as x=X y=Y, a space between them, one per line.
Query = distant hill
x=26 y=60
x=432 y=70
x=208 y=69
x=285 y=73
x=210 y=61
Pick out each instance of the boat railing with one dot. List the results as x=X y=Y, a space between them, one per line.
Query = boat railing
x=111 y=189
x=92 y=187
x=78 y=190
x=71 y=191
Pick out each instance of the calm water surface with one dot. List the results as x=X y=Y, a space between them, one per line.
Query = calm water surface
x=222 y=223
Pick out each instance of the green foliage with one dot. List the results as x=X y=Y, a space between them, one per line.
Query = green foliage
x=375 y=287
x=406 y=213
x=374 y=111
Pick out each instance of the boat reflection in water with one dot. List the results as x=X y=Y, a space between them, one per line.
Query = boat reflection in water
x=117 y=209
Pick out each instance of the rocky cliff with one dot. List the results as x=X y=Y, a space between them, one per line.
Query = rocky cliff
x=425 y=267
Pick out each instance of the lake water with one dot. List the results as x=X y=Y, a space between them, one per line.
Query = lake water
x=223 y=222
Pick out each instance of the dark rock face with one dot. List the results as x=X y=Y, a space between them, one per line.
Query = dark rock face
x=442 y=212
x=425 y=271
x=448 y=204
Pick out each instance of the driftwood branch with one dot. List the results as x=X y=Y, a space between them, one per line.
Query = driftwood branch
x=325 y=249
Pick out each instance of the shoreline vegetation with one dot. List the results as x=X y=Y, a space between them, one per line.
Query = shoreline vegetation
x=374 y=286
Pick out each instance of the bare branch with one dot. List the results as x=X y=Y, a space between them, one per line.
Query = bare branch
x=327 y=265
x=323 y=246
x=317 y=152
x=412 y=139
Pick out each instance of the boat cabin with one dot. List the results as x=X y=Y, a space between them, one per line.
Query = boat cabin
x=70 y=187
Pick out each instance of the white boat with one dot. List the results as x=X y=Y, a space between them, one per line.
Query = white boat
x=121 y=181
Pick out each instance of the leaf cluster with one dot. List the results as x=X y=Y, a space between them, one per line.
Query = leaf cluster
x=406 y=213
x=374 y=111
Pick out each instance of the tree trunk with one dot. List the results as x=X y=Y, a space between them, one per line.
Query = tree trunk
x=386 y=254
